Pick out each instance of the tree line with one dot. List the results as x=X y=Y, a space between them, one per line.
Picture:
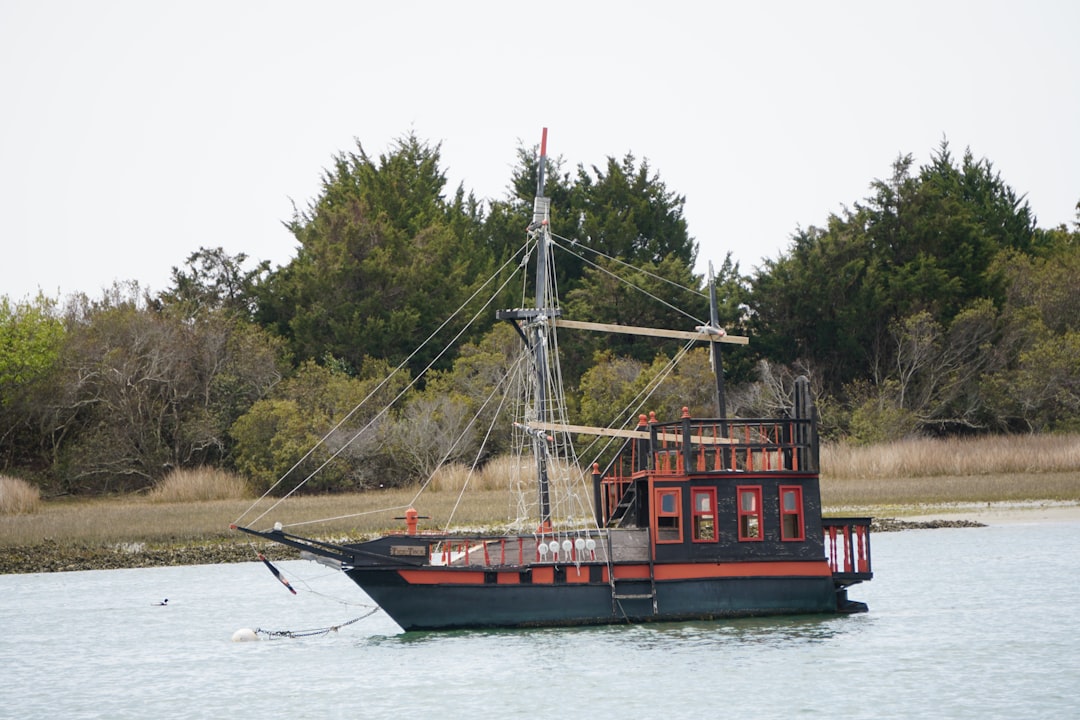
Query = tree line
x=936 y=305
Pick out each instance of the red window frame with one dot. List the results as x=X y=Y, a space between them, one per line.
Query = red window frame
x=667 y=522
x=750 y=526
x=792 y=520
x=703 y=519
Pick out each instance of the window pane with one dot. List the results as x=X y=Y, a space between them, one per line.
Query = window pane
x=748 y=501
x=701 y=502
x=789 y=500
x=667 y=503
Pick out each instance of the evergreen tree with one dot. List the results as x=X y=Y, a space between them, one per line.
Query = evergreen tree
x=380 y=251
x=922 y=243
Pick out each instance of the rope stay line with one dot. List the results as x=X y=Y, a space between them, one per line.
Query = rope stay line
x=627 y=412
x=511 y=372
x=560 y=445
x=427 y=482
x=381 y=384
x=574 y=243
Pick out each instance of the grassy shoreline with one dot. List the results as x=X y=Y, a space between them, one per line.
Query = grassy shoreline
x=85 y=534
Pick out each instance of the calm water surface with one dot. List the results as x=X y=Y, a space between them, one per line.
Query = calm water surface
x=963 y=623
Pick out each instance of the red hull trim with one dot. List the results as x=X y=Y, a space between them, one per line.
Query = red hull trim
x=545 y=575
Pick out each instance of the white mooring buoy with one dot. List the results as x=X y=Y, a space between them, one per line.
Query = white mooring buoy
x=244 y=635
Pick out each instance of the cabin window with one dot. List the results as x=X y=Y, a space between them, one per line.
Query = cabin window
x=791 y=513
x=749 y=513
x=668 y=515
x=704 y=514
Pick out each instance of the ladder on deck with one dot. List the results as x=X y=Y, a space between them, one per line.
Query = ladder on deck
x=617 y=596
x=627 y=502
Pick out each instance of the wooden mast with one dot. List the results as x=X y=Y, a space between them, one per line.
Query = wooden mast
x=717 y=353
x=533 y=325
x=540 y=223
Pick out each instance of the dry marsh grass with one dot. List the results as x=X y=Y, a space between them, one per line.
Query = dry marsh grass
x=902 y=496
x=111 y=520
x=198 y=485
x=928 y=457
x=115 y=521
x=887 y=480
x=497 y=474
x=918 y=472
x=18 y=497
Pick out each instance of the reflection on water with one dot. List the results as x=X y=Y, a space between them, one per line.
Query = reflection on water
x=661 y=636
x=779 y=631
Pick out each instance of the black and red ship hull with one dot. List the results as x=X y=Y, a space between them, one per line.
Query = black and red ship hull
x=454 y=598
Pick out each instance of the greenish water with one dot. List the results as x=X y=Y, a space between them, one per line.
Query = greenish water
x=963 y=623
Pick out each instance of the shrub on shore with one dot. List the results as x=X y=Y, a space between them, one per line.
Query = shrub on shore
x=18 y=497
x=204 y=483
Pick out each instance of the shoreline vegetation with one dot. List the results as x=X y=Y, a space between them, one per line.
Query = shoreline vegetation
x=919 y=483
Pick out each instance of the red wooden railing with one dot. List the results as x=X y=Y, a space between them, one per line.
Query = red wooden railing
x=695 y=445
x=847 y=547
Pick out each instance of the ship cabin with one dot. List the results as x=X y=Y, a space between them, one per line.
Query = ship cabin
x=731 y=490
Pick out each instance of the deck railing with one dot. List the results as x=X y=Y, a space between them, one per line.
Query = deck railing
x=847 y=548
x=744 y=445
x=516 y=551
x=694 y=445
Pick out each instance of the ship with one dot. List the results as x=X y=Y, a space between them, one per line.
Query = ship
x=680 y=519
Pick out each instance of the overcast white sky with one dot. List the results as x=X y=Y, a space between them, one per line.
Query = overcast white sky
x=133 y=133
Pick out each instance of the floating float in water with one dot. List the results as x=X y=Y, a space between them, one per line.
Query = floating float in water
x=244 y=635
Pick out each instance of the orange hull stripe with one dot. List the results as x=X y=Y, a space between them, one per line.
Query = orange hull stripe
x=575 y=575
x=626 y=572
x=692 y=571
x=545 y=575
x=440 y=576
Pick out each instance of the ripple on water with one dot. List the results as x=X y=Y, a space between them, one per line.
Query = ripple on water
x=963 y=623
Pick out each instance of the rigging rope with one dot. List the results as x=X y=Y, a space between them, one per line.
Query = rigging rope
x=383 y=411
x=629 y=419
x=503 y=381
x=562 y=450
x=623 y=280
x=626 y=413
